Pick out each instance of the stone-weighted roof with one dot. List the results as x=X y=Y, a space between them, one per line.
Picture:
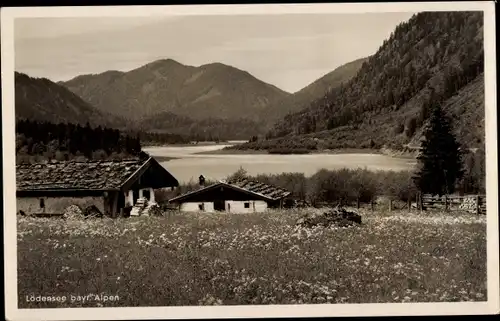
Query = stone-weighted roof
x=90 y=175
x=266 y=190
x=263 y=190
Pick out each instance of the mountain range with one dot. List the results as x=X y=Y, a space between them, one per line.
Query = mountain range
x=213 y=90
x=213 y=101
x=375 y=102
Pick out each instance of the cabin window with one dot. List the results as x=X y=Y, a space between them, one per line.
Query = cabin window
x=247 y=204
x=42 y=203
x=201 y=207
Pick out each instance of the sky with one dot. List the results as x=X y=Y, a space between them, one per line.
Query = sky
x=289 y=50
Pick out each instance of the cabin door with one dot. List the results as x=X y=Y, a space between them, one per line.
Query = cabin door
x=219 y=205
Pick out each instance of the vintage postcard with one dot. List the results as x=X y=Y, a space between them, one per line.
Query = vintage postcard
x=278 y=160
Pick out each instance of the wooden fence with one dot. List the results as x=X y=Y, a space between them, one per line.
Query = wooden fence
x=468 y=203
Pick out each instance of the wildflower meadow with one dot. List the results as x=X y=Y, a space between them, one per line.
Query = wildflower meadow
x=260 y=258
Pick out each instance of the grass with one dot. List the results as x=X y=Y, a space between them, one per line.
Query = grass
x=206 y=259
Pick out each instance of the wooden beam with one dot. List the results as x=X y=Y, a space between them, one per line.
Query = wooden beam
x=114 y=209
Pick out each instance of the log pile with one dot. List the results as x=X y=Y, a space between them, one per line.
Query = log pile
x=469 y=204
x=335 y=217
x=145 y=208
x=73 y=212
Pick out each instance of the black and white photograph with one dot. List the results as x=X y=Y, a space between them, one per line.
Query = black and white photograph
x=249 y=160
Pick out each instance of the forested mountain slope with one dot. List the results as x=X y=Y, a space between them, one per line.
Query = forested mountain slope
x=303 y=98
x=40 y=99
x=434 y=58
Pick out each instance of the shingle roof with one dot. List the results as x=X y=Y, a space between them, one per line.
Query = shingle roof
x=265 y=191
x=90 y=175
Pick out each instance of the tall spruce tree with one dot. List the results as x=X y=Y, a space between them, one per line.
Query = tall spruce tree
x=440 y=160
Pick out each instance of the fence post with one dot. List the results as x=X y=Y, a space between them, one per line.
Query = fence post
x=477 y=204
x=390 y=205
x=446 y=202
x=420 y=201
x=357 y=203
x=371 y=204
x=409 y=204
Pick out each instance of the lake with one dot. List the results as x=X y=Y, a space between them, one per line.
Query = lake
x=189 y=166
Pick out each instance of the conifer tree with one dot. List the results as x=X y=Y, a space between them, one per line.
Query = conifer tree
x=440 y=160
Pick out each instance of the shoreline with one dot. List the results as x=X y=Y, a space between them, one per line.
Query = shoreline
x=186 y=145
x=386 y=152
x=164 y=158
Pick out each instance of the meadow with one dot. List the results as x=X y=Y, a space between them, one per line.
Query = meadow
x=259 y=258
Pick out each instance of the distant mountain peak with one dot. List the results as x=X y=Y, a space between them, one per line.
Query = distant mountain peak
x=211 y=90
x=163 y=62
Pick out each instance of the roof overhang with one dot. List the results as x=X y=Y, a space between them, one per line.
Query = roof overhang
x=141 y=170
x=181 y=198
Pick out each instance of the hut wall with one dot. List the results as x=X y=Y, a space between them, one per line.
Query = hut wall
x=57 y=205
x=195 y=207
x=251 y=206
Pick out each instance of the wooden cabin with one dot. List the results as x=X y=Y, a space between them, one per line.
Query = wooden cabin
x=112 y=186
x=242 y=196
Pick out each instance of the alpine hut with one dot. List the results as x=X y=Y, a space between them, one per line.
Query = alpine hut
x=113 y=187
x=242 y=196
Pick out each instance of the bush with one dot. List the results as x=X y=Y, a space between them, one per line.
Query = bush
x=296 y=183
x=344 y=184
x=238 y=175
x=396 y=185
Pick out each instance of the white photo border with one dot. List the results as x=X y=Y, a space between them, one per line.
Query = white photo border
x=249 y=311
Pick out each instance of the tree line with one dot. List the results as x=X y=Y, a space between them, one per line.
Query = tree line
x=209 y=129
x=36 y=141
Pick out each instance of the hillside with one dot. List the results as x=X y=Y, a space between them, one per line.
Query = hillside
x=209 y=91
x=434 y=58
x=302 y=98
x=465 y=108
x=43 y=100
